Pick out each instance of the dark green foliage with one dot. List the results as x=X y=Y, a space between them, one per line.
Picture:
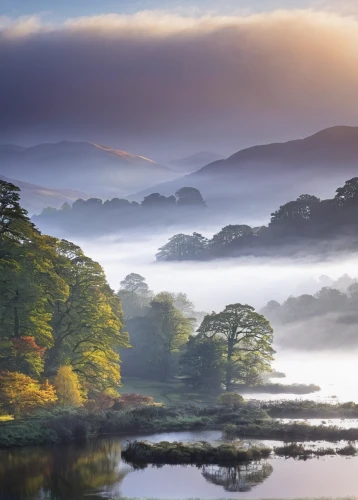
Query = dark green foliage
x=298 y=450
x=297 y=225
x=95 y=216
x=242 y=336
x=193 y=453
x=310 y=409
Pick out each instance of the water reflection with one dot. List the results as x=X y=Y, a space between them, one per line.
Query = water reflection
x=60 y=472
x=240 y=478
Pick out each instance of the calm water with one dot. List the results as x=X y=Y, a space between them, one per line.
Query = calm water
x=95 y=471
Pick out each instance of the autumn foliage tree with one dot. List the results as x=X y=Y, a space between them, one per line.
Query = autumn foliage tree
x=20 y=393
x=68 y=388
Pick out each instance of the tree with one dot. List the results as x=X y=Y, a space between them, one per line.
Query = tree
x=87 y=326
x=171 y=330
x=68 y=388
x=183 y=247
x=12 y=216
x=156 y=200
x=135 y=296
x=348 y=194
x=134 y=283
x=203 y=363
x=19 y=393
x=244 y=330
x=189 y=196
x=231 y=237
x=295 y=215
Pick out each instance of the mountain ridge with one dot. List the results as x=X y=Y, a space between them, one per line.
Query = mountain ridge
x=92 y=167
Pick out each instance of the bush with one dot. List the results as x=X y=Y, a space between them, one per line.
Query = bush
x=231 y=400
x=132 y=401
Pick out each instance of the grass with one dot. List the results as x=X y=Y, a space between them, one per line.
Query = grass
x=168 y=393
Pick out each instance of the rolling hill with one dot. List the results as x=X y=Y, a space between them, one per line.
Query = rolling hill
x=195 y=161
x=259 y=178
x=97 y=169
x=34 y=198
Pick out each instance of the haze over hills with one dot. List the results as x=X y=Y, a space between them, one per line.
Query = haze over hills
x=194 y=162
x=97 y=169
x=34 y=198
x=262 y=177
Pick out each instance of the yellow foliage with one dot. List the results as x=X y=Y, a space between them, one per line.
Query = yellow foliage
x=68 y=387
x=20 y=393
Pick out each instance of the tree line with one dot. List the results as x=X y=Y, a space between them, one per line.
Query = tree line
x=59 y=319
x=327 y=319
x=100 y=215
x=298 y=224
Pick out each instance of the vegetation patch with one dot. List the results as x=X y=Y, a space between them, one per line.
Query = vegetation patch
x=191 y=453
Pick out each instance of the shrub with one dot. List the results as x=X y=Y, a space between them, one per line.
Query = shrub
x=132 y=401
x=231 y=400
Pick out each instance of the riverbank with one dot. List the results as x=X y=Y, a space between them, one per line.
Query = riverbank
x=247 y=421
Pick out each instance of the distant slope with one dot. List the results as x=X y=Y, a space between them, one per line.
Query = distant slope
x=35 y=198
x=97 y=169
x=268 y=175
x=195 y=161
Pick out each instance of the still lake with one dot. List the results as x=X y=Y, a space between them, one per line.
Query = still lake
x=95 y=471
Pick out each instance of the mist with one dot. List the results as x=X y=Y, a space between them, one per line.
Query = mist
x=212 y=285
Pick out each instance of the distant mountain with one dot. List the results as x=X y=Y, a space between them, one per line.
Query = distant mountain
x=195 y=161
x=262 y=177
x=35 y=198
x=97 y=169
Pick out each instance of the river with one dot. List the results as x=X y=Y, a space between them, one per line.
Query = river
x=94 y=470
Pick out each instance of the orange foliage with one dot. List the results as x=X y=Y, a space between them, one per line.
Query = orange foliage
x=20 y=393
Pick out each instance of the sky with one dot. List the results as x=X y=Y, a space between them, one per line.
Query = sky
x=167 y=79
x=68 y=8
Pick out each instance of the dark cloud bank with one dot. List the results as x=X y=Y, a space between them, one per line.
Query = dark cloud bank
x=160 y=84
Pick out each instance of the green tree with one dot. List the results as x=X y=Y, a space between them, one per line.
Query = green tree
x=171 y=330
x=203 y=363
x=244 y=330
x=88 y=325
x=189 y=196
x=135 y=296
x=13 y=218
x=183 y=247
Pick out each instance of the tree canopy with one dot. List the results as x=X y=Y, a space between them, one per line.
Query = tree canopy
x=297 y=225
x=56 y=307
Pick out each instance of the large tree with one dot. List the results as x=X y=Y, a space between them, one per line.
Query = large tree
x=183 y=247
x=135 y=295
x=245 y=332
x=88 y=325
x=171 y=329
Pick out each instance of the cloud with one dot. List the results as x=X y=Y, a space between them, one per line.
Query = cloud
x=161 y=79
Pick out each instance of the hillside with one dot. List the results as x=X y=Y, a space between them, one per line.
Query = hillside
x=97 y=169
x=195 y=161
x=258 y=178
x=34 y=198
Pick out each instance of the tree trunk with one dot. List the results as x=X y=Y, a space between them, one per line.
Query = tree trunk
x=230 y=350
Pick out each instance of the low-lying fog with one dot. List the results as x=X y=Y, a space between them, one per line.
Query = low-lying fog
x=212 y=285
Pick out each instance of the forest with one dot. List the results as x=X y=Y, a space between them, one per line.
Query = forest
x=307 y=225
x=66 y=336
x=119 y=214
x=326 y=320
